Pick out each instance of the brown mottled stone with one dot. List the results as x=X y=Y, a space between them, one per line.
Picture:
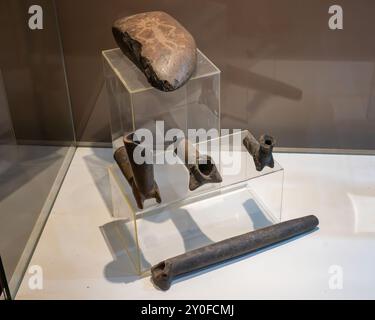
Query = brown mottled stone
x=160 y=47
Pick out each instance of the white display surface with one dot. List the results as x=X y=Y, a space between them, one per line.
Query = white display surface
x=338 y=189
x=179 y=229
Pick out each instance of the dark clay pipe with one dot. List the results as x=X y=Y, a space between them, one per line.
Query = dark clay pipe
x=165 y=272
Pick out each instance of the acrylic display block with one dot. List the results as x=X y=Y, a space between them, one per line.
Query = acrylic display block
x=135 y=104
x=245 y=200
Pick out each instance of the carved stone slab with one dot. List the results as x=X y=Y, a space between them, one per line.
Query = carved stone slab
x=160 y=47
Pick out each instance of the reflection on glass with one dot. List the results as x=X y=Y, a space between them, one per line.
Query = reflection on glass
x=36 y=131
x=364 y=218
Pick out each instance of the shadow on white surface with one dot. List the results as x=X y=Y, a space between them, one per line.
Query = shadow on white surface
x=123 y=246
x=121 y=269
x=96 y=162
x=258 y=218
x=240 y=258
x=120 y=238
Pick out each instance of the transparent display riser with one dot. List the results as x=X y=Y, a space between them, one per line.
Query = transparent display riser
x=135 y=104
x=186 y=220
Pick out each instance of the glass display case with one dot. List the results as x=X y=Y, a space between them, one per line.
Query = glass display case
x=37 y=140
x=68 y=101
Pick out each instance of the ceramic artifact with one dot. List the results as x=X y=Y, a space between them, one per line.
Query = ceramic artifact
x=139 y=176
x=261 y=150
x=165 y=272
x=202 y=169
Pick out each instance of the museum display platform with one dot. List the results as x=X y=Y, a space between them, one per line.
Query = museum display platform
x=157 y=229
x=134 y=104
x=245 y=200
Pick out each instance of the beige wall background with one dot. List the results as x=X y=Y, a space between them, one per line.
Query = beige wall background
x=283 y=70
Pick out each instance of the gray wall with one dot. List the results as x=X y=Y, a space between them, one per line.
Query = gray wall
x=33 y=73
x=6 y=127
x=283 y=70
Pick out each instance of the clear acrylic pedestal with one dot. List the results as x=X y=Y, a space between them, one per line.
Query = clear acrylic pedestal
x=185 y=220
x=135 y=104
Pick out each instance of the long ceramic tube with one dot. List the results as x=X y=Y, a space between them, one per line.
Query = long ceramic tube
x=164 y=272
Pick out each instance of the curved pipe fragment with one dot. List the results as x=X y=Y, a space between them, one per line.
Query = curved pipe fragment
x=202 y=169
x=261 y=150
x=139 y=176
